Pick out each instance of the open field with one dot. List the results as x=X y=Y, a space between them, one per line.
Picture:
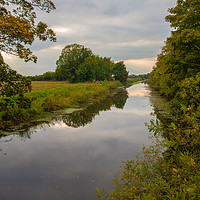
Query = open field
x=41 y=85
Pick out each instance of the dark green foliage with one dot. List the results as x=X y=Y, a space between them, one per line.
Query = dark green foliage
x=86 y=71
x=119 y=72
x=47 y=76
x=180 y=58
x=13 y=86
x=142 y=76
x=71 y=58
x=12 y=83
x=79 y=64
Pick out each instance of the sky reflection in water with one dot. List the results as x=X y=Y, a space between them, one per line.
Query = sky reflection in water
x=63 y=162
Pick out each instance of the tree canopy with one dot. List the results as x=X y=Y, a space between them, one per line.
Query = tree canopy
x=72 y=56
x=119 y=72
x=79 y=64
x=18 y=28
x=180 y=57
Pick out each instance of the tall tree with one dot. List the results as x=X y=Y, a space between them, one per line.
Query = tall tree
x=18 y=28
x=71 y=58
x=120 y=73
x=180 y=57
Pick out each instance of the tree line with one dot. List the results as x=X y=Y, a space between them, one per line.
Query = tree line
x=79 y=64
x=142 y=76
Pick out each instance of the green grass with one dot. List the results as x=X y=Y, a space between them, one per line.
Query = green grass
x=46 y=101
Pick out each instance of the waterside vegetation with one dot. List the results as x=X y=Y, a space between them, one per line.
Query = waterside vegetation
x=170 y=168
x=47 y=101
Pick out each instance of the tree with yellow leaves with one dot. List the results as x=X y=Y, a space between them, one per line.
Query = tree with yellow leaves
x=19 y=29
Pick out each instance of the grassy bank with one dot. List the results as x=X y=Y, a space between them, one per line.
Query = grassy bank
x=45 y=101
x=132 y=80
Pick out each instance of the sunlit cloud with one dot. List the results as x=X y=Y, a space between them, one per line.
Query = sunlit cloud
x=140 y=65
x=61 y=30
x=137 y=43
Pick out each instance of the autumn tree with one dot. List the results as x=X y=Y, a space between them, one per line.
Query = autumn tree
x=18 y=28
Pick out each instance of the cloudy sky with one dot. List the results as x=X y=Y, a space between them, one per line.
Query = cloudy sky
x=130 y=30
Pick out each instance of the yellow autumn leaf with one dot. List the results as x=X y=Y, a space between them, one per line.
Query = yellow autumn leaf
x=175 y=170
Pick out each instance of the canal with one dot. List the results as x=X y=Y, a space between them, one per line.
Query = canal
x=69 y=157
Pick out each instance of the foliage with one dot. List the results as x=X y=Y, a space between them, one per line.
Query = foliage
x=159 y=173
x=86 y=71
x=101 y=195
x=78 y=64
x=72 y=56
x=170 y=168
x=13 y=86
x=49 y=100
x=180 y=58
x=12 y=83
x=142 y=76
x=47 y=76
x=119 y=72
x=18 y=28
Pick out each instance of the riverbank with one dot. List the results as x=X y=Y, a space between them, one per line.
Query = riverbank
x=46 y=101
x=169 y=168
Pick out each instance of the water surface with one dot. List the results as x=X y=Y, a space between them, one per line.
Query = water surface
x=75 y=153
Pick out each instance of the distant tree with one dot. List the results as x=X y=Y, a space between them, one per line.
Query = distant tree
x=18 y=28
x=119 y=72
x=47 y=76
x=143 y=76
x=71 y=58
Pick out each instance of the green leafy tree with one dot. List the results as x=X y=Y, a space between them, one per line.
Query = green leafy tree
x=71 y=58
x=180 y=57
x=109 y=65
x=120 y=73
x=103 y=69
x=18 y=28
x=86 y=71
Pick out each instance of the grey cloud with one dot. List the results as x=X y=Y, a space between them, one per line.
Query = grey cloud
x=128 y=29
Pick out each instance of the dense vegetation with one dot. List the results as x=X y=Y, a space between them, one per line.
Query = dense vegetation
x=142 y=76
x=49 y=100
x=170 y=169
x=18 y=29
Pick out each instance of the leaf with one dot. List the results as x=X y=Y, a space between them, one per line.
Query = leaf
x=175 y=170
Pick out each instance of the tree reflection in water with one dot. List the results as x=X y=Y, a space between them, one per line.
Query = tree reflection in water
x=86 y=116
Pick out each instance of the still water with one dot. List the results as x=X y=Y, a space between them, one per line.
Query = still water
x=69 y=157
